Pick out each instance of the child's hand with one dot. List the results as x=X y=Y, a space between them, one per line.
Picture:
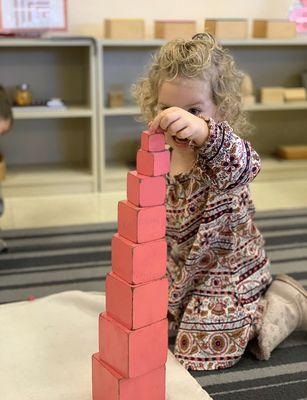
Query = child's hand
x=178 y=122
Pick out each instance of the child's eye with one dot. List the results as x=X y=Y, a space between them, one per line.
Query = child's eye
x=194 y=111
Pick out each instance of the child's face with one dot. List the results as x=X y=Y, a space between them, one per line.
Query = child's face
x=193 y=95
x=5 y=126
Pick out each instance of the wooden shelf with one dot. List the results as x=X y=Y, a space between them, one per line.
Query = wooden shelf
x=297 y=105
x=26 y=174
x=132 y=43
x=127 y=110
x=272 y=169
x=48 y=112
x=299 y=40
x=48 y=179
x=277 y=169
x=51 y=42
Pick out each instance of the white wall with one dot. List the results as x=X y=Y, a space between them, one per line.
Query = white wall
x=87 y=16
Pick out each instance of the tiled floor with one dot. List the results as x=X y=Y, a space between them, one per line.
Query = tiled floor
x=26 y=212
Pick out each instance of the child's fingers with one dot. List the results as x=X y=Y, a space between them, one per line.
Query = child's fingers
x=155 y=123
x=165 y=118
x=177 y=126
x=167 y=121
x=158 y=130
x=185 y=133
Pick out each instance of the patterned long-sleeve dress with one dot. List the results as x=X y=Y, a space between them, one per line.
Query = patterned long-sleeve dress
x=217 y=267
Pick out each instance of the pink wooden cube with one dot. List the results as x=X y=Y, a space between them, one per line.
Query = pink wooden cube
x=153 y=163
x=108 y=384
x=152 y=141
x=136 y=306
x=132 y=353
x=138 y=263
x=145 y=191
x=141 y=224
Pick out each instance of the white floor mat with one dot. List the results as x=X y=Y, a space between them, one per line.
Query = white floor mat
x=46 y=347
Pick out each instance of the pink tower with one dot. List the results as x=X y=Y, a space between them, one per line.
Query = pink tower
x=133 y=332
x=298 y=14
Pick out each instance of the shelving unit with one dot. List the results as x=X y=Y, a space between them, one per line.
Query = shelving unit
x=72 y=150
x=51 y=151
x=269 y=62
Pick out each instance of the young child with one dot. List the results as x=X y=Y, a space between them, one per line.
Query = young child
x=6 y=121
x=220 y=291
x=6 y=116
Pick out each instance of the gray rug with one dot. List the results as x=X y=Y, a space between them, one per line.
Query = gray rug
x=46 y=261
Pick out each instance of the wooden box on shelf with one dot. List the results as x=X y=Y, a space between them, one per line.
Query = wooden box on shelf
x=295 y=94
x=124 y=29
x=292 y=152
x=274 y=29
x=269 y=95
x=173 y=29
x=227 y=28
x=116 y=96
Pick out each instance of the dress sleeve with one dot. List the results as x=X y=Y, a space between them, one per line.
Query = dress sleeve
x=228 y=160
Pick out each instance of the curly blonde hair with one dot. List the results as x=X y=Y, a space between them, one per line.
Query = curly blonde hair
x=202 y=57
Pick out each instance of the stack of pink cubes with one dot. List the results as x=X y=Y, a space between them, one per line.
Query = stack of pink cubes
x=133 y=332
x=299 y=15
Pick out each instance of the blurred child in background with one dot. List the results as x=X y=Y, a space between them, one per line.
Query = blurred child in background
x=6 y=122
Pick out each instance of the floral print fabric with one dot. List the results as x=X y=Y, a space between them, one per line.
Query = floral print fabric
x=217 y=267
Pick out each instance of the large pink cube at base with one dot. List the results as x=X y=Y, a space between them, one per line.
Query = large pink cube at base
x=132 y=353
x=152 y=141
x=136 y=306
x=141 y=224
x=138 y=262
x=153 y=163
x=107 y=384
x=145 y=191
